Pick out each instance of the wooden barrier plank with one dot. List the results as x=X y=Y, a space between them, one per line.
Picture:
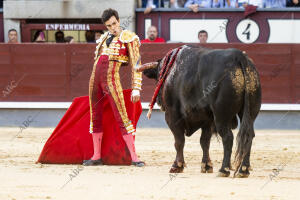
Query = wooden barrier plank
x=60 y=72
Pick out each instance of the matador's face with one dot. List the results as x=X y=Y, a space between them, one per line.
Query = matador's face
x=113 y=26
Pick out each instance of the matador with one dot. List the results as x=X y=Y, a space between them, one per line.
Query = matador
x=115 y=48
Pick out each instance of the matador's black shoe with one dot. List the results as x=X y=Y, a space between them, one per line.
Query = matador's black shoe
x=92 y=162
x=138 y=163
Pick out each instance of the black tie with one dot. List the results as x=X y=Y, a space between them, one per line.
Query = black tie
x=108 y=41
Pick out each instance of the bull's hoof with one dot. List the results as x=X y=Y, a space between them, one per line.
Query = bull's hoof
x=221 y=174
x=241 y=175
x=231 y=168
x=224 y=172
x=207 y=167
x=243 y=172
x=177 y=167
x=176 y=170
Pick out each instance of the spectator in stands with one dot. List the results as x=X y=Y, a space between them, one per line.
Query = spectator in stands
x=241 y=3
x=98 y=35
x=13 y=36
x=230 y=3
x=217 y=3
x=224 y=3
x=244 y=3
x=293 y=3
x=202 y=36
x=69 y=39
x=177 y=3
x=275 y=3
x=39 y=36
x=151 y=4
x=152 y=36
x=59 y=37
x=194 y=5
x=90 y=36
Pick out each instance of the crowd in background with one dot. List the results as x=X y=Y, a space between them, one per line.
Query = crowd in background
x=150 y=4
x=93 y=36
x=194 y=5
x=39 y=37
x=214 y=3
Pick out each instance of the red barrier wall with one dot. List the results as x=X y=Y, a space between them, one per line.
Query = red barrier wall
x=60 y=72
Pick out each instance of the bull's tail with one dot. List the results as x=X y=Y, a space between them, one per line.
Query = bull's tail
x=246 y=131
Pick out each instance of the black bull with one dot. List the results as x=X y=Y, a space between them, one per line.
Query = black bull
x=209 y=89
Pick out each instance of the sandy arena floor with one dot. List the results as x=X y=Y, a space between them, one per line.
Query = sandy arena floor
x=21 y=179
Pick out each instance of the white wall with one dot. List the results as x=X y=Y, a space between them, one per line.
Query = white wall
x=284 y=31
x=187 y=30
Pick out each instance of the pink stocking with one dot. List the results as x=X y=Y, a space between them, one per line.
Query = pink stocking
x=128 y=138
x=97 y=140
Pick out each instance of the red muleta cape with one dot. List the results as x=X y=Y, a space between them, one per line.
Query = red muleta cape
x=71 y=142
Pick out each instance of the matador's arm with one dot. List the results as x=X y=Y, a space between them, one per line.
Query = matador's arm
x=133 y=45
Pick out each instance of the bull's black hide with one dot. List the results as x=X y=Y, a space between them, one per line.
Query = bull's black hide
x=210 y=89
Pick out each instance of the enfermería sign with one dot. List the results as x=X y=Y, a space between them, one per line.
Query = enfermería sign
x=68 y=27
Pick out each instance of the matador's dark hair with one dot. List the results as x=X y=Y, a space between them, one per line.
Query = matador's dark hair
x=108 y=13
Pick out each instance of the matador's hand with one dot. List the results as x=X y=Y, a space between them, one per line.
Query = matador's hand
x=135 y=96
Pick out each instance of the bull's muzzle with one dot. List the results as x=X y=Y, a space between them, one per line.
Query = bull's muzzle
x=147 y=66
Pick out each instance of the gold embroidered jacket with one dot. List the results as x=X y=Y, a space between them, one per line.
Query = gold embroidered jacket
x=123 y=48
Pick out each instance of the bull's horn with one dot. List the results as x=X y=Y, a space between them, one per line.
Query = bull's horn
x=147 y=66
